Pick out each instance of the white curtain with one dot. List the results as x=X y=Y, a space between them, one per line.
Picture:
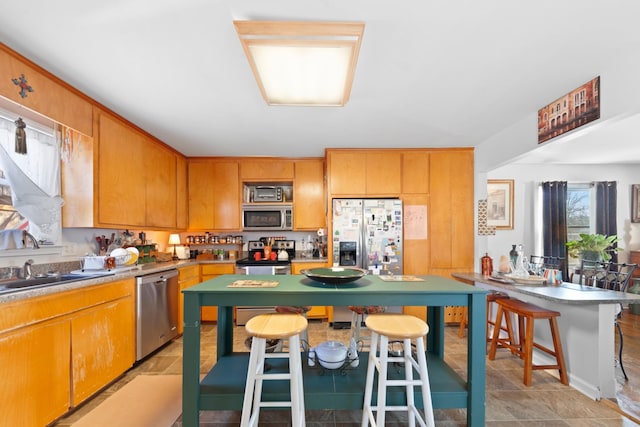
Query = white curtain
x=34 y=178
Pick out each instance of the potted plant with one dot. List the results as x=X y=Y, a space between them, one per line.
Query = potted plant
x=593 y=247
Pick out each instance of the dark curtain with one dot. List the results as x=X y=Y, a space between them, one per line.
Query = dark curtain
x=554 y=220
x=606 y=200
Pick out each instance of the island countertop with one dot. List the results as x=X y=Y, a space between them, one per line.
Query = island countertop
x=565 y=293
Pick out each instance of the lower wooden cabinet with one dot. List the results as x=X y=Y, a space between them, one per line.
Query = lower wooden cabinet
x=34 y=366
x=210 y=271
x=57 y=350
x=187 y=277
x=317 y=311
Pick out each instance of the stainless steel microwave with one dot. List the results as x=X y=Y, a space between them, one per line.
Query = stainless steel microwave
x=263 y=217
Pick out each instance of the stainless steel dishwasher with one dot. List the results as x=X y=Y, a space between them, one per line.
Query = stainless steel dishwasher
x=156 y=311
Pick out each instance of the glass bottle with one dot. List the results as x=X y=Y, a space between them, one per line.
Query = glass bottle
x=513 y=255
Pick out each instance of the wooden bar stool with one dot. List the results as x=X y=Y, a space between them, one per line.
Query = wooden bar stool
x=527 y=313
x=406 y=328
x=491 y=298
x=357 y=317
x=261 y=328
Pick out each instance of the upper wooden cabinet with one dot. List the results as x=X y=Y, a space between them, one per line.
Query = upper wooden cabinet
x=266 y=169
x=214 y=194
x=134 y=177
x=415 y=172
x=308 y=195
x=50 y=96
x=182 y=194
x=364 y=172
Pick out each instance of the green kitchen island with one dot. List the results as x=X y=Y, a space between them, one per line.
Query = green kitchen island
x=223 y=387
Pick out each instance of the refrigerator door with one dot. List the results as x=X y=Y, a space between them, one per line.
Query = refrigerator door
x=347 y=232
x=382 y=236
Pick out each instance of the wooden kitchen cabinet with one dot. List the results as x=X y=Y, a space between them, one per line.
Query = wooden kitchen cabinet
x=58 y=349
x=451 y=211
x=317 y=311
x=266 y=169
x=102 y=349
x=347 y=173
x=122 y=178
x=415 y=172
x=210 y=271
x=187 y=277
x=214 y=195
x=182 y=193
x=160 y=183
x=364 y=173
x=121 y=187
x=50 y=97
x=35 y=371
x=309 y=197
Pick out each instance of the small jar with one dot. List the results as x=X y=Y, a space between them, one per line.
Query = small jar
x=486 y=265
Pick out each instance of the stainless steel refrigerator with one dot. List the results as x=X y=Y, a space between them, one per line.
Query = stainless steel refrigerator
x=366 y=233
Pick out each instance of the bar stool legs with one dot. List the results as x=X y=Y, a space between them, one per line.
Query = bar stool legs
x=406 y=328
x=262 y=328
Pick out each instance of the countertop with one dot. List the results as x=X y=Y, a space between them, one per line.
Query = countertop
x=566 y=293
x=124 y=273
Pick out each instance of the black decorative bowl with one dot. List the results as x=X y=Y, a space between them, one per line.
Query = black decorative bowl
x=334 y=275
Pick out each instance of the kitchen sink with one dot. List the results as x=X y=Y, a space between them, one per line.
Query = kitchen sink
x=8 y=285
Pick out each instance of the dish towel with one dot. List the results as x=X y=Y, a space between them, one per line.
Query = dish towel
x=11 y=239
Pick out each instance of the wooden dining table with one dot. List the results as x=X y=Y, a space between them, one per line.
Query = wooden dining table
x=222 y=387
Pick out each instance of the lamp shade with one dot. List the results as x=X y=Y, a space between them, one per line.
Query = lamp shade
x=174 y=239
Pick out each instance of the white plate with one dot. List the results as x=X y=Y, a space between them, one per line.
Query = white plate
x=133 y=255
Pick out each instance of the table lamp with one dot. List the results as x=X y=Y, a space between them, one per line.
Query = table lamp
x=174 y=239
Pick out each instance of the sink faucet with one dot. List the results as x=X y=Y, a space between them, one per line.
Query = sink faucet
x=26 y=272
x=25 y=235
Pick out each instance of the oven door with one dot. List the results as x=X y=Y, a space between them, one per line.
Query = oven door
x=244 y=313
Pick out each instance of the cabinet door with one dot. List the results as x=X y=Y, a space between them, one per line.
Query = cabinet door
x=415 y=172
x=451 y=211
x=384 y=171
x=76 y=183
x=182 y=193
x=226 y=188
x=103 y=346
x=201 y=203
x=187 y=277
x=160 y=185
x=266 y=169
x=308 y=195
x=34 y=367
x=211 y=271
x=347 y=173
x=121 y=188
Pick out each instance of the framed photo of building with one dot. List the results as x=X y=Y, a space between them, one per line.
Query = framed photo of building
x=635 y=203
x=500 y=203
x=575 y=109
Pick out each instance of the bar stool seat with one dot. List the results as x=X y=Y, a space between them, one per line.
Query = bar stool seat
x=357 y=318
x=297 y=309
x=398 y=327
x=261 y=328
x=523 y=347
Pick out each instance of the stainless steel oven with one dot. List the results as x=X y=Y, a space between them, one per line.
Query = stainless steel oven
x=270 y=267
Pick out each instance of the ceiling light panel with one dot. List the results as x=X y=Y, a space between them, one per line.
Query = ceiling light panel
x=302 y=63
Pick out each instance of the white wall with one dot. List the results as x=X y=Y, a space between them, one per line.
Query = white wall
x=526 y=178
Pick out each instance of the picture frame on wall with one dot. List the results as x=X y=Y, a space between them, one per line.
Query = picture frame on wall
x=500 y=203
x=635 y=203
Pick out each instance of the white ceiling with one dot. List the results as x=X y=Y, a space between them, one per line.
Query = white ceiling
x=431 y=73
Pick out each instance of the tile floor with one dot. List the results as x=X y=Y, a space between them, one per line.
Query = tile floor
x=509 y=402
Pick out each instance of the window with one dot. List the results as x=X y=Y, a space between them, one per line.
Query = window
x=580 y=212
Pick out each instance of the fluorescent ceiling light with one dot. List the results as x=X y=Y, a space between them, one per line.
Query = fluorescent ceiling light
x=302 y=63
